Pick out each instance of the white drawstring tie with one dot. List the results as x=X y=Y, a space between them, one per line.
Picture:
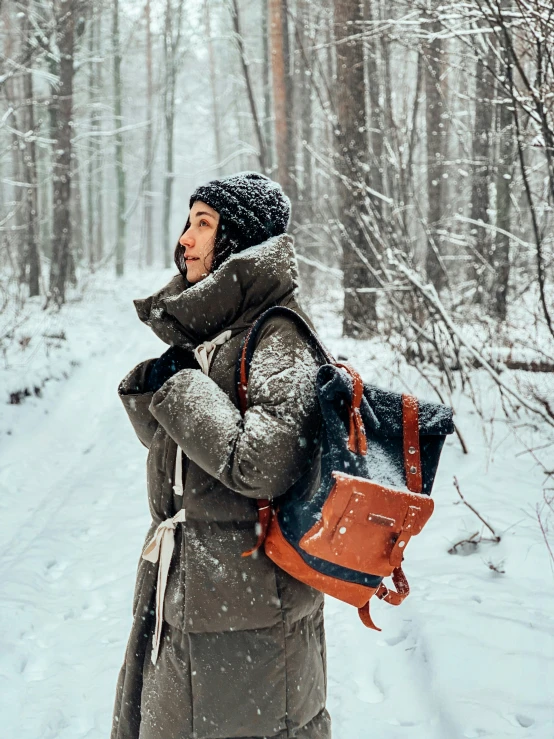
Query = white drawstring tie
x=204 y=354
x=160 y=547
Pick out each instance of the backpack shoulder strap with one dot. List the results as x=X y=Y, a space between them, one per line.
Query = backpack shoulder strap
x=249 y=344
x=242 y=372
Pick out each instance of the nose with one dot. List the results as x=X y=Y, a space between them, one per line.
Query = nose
x=186 y=239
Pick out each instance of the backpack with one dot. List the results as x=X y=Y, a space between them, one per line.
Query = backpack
x=378 y=459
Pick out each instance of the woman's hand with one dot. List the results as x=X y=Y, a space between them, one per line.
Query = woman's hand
x=171 y=361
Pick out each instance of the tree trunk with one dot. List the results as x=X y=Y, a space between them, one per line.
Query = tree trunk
x=214 y=89
x=504 y=171
x=62 y=103
x=262 y=155
x=266 y=69
x=148 y=146
x=279 y=84
x=482 y=172
x=305 y=69
x=172 y=37
x=119 y=164
x=351 y=161
x=292 y=190
x=31 y=216
x=77 y=232
x=94 y=168
x=376 y=127
x=435 y=149
x=12 y=92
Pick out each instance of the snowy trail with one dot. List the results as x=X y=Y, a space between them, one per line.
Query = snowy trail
x=74 y=516
x=470 y=654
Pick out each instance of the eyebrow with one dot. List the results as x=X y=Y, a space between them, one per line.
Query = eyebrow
x=203 y=213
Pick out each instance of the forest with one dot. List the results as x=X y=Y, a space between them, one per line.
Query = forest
x=415 y=141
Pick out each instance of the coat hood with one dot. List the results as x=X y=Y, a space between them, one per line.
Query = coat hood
x=232 y=297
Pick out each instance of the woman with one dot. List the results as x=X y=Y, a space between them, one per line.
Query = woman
x=223 y=645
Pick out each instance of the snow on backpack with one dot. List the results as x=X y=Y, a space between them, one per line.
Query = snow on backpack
x=378 y=459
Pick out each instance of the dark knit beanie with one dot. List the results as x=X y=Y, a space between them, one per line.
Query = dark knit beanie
x=254 y=204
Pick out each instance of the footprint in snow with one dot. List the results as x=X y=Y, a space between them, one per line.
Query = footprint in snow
x=522 y=720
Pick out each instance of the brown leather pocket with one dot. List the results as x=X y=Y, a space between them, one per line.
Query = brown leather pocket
x=366 y=526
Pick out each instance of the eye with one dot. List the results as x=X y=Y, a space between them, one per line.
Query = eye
x=204 y=221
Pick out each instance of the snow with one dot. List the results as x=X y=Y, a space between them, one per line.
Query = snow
x=469 y=654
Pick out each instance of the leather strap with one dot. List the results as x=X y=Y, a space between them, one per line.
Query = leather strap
x=357 y=440
x=264 y=519
x=412 y=454
x=394 y=597
x=365 y=617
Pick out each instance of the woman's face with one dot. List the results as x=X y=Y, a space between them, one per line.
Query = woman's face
x=198 y=240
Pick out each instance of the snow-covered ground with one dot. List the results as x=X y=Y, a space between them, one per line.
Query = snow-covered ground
x=469 y=654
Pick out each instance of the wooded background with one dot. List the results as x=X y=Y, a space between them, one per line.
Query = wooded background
x=415 y=140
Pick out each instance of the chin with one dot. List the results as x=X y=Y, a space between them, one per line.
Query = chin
x=195 y=277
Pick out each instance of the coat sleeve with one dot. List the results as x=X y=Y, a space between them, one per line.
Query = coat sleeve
x=264 y=453
x=136 y=402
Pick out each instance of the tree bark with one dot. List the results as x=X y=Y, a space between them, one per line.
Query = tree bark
x=279 y=85
x=435 y=151
x=266 y=70
x=482 y=170
x=32 y=258
x=305 y=70
x=352 y=162
x=172 y=39
x=504 y=171
x=94 y=169
x=62 y=105
x=376 y=127
x=118 y=140
x=148 y=146
x=262 y=155
x=12 y=92
x=214 y=89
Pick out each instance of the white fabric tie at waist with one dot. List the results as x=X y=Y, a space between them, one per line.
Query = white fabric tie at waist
x=160 y=549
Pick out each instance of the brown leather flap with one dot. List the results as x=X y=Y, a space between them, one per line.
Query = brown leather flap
x=366 y=526
x=409 y=511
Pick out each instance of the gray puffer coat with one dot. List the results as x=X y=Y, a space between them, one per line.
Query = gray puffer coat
x=241 y=643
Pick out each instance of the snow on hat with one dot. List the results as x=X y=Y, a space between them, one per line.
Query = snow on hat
x=256 y=205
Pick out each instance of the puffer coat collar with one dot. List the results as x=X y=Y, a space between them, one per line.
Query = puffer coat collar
x=232 y=297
